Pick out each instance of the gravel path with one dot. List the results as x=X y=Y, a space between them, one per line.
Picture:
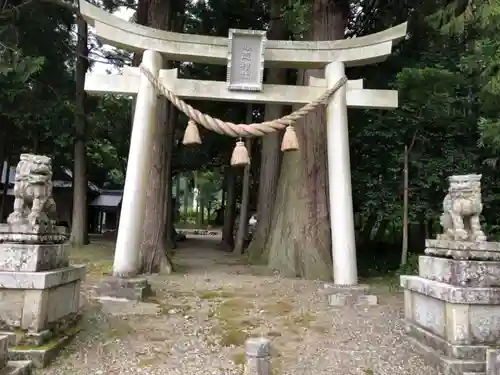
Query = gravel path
x=199 y=320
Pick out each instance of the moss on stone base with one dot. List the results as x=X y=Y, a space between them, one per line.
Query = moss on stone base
x=42 y=355
x=53 y=342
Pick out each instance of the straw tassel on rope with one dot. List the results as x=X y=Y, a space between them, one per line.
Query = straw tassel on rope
x=240 y=157
x=191 y=135
x=290 y=141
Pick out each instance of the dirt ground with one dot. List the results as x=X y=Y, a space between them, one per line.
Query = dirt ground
x=202 y=314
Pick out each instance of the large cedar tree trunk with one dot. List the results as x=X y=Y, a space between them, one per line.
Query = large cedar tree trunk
x=153 y=246
x=177 y=19
x=186 y=195
x=270 y=153
x=5 y=189
x=241 y=234
x=173 y=114
x=299 y=240
x=79 y=226
x=3 y=144
x=229 y=208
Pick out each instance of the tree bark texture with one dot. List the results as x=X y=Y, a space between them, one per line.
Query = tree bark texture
x=270 y=152
x=154 y=257
x=79 y=226
x=141 y=18
x=3 y=145
x=299 y=242
x=169 y=224
x=178 y=188
x=229 y=209
x=176 y=23
x=185 y=195
x=5 y=189
x=241 y=234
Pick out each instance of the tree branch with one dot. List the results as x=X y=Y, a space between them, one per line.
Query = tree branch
x=65 y=4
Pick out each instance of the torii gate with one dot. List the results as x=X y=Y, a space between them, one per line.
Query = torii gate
x=245 y=52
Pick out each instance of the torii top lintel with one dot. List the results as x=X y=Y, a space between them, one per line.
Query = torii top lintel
x=364 y=50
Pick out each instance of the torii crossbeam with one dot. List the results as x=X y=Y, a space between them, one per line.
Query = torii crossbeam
x=128 y=84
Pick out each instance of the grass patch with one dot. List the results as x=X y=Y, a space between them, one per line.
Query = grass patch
x=147 y=362
x=236 y=261
x=276 y=365
x=180 y=268
x=233 y=337
x=232 y=308
x=238 y=358
x=214 y=294
x=97 y=257
x=295 y=324
x=117 y=330
x=319 y=328
x=232 y=329
x=388 y=283
x=274 y=334
x=176 y=293
x=304 y=320
x=279 y=308
x=168 y=308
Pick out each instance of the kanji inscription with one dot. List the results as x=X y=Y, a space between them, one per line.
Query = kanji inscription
x=246 y=60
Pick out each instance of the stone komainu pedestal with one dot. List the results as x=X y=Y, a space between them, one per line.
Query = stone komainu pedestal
x=11 y=367
x=39 y=296
x=452 y=309
x=39 y=291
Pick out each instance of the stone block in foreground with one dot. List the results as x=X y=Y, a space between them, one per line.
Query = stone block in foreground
x=349 y=295
x=127 y=289
x=39 y=311
x=11 y=367
x=452 y=313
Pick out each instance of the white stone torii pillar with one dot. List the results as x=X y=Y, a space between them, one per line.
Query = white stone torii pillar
x=345 y=270
x=334 y=55
x=138 y=164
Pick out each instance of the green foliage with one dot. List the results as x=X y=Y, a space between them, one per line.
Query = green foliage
x=297 y=14
x=189 y=217
x=476 y=23
x=411 y=266
x=446 y=72
x=209 y=184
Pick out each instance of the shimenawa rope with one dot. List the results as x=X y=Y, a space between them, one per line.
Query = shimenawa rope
x=240 y=130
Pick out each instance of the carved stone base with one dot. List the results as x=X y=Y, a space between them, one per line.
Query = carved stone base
x=11 y=367
x=133 y=289
x=463 y=250
x=42 y=355
x=38 y=311
x=455 y=326
x=26 y=234
x=464 y=273
x=33 y=258
x=39 y=301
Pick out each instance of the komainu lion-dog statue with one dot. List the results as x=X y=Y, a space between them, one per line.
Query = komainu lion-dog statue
x=33 y=202
x=462 y=208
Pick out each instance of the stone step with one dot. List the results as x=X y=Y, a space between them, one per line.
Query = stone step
x=4 y=341
x=447 y=365
x=17 y=368
x=11 y=367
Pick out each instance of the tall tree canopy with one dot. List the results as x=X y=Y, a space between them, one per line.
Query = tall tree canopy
x=446 y=72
